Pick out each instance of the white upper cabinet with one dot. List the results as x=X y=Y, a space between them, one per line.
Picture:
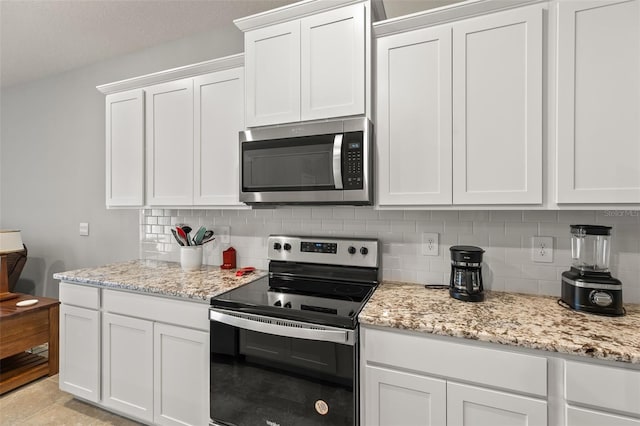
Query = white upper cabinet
x=333 y=63
x=175 y=143
x=598 y=60
x=169 y=121
x=218 y=118
x=273 y=74
x=125 y=149
x=459 y=111
x=306 y=68
x=497 y=108
x=414 y=118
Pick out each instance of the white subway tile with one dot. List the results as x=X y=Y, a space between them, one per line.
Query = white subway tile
x=157 y=229
x=422 y=215
x=403 y=226
x=186 y=213
x=389 y=237
x=574 y=217
x=282 y=213
x=378 y=225
x=520 y=285
x=540 y=216
x=321 y=213
x=550 y=288
x=433 y=278
x=332 y=225
x=151 y=220
x=265 y=213
x=524 y=229
x=344 y=213
x=445 y=215
x=435 y=226
x=272 y=226
x=416 y=263
x=481 y=241
x=494 y=283
x=458 y=227
x=366 y=213
x=505 y=216
x=213 y=213
x=439 y=265
x=408 y=276
x=390 y=261
x=354 y=225
x=311 y=225
x=301 y=212
x=536 y=272
x=474 y=216
x=488 y=228
x=391 y=215
x=292 y=226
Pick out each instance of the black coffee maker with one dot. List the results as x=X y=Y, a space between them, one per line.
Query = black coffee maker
x=466 y=273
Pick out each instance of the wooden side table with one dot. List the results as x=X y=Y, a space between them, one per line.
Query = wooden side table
x=23 y=328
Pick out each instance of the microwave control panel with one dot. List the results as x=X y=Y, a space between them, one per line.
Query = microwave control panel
x=352 y=167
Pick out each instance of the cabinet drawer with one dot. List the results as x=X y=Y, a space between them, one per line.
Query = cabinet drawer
x=157 y=308
x=582 y=417
x=80 y=295
x=602 y=386
x=463 y=361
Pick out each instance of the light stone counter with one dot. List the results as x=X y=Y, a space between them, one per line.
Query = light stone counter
x=161 y=278
x=535 y=322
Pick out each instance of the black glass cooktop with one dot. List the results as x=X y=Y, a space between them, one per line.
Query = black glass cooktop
x=320 y=301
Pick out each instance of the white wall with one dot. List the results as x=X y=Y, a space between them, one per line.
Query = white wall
x=505 y=236
x=52 y=164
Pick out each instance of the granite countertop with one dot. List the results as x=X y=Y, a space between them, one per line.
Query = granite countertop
x=535 y=322
x=161 y=278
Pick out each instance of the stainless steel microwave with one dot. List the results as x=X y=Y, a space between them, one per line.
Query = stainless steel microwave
x=327 y=162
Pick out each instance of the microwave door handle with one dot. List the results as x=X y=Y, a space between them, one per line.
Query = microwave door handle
x=337 y=161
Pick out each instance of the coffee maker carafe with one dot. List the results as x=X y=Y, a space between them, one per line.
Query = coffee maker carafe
x=466 y=273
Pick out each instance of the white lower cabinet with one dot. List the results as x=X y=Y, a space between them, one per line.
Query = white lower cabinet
x=180 y=376
x=127 y=365
x=141 y=356
x=401 y=398
x=471 y=405
x=414 y=379
x=80 y=351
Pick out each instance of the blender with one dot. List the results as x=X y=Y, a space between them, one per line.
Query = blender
x=588 y=285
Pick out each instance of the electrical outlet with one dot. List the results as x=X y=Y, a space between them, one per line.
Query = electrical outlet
x=542 y=249
x=223 y=233
x=84 y=229
x=429 y=244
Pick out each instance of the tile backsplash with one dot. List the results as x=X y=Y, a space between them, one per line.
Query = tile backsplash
x=504 y=235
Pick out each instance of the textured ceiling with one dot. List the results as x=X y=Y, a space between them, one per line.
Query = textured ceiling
x=44 y=37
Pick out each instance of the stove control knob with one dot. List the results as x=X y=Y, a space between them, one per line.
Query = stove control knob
x=278 y=303
x=600 y=298
x=287 y=305
x=351 y=250
x=364 y=250
x=277 y=246
x=287 y=246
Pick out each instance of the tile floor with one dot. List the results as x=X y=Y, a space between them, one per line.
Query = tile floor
x=43 y=403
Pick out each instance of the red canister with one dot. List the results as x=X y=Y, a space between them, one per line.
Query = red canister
x=229 y=258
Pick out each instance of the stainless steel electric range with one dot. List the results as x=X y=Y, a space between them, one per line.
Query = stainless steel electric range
x=284 y=348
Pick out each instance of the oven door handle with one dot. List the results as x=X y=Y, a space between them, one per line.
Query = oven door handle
x=337 y=161
x=282 y=327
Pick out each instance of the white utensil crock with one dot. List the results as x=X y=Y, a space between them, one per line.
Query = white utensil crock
x=190 y=258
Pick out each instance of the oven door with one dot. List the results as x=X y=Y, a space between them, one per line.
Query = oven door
x=268 y=371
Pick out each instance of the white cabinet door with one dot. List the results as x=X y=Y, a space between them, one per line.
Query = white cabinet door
x=414 y=118
x=497 y=108
x=598 y=102
x=398 y=398
x=80 y=352
x=127 y=365
x=125 y=149
x=181 y=379
x=333 y=63
x=272 y=67
x=582 y=417
x=219 y=117
x=470 y=405
x=169 y=142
